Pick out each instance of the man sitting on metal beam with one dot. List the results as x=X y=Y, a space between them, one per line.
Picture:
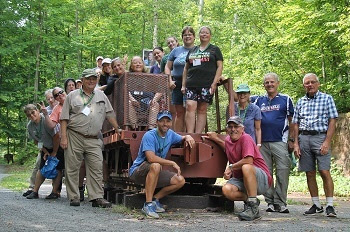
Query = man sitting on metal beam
x=147 y=167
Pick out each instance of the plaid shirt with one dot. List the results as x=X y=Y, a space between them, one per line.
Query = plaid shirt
x=313 y=114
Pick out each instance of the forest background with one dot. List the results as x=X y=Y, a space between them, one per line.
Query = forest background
x=43 y=42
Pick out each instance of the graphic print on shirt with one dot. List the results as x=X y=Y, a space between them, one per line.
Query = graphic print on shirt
x=202 y=56
x=268 y=108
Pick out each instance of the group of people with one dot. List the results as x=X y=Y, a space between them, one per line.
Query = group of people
x=261 y=134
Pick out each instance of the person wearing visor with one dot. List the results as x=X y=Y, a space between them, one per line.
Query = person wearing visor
x=83 y=114
x=249 y=113
x=147 y=167
x=247 y=174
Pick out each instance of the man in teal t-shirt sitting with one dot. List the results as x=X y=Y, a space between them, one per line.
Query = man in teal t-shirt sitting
x=147 y=167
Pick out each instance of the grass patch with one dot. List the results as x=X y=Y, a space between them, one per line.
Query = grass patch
x=18 y=179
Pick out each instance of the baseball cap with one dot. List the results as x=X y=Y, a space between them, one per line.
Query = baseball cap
x=99 y=58
x=89 y=73
x=78 y=80
x=163 y=114
x=236 y=120
x=106 y=61
x=243 y=88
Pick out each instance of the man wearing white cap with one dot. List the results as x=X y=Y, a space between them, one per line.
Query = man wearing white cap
x=99 y=62
x=147 y=167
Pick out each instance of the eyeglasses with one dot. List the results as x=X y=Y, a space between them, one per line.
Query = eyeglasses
x=58 y=94
x=233 y=127
x=310 y=82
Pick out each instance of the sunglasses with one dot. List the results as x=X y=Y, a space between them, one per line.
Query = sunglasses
x=57 y=94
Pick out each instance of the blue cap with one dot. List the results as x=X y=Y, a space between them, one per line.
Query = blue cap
x=163 y=114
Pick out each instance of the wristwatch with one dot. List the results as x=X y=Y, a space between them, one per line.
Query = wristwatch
x=291 y=139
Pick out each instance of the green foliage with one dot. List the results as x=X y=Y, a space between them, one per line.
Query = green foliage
x=291 y=38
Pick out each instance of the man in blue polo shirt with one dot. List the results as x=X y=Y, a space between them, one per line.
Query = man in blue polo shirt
x=314 y=125
x=276 y=111
x=147 y=167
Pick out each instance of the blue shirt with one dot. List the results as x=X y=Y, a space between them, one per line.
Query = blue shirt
x=151 y=141
x=178 y=56
x=275 y=112
x=249 y=116
x=314 y=113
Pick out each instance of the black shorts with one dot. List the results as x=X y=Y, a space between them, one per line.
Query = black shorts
x=59 y=156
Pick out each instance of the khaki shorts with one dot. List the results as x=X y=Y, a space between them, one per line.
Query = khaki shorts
x=140 y=174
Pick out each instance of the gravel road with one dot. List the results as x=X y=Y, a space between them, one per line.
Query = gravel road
x=20 y=214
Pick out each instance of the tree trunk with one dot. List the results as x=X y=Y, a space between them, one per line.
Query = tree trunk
x=155 y=20
x=77 y=32
x=38 y=47
x=201 y=10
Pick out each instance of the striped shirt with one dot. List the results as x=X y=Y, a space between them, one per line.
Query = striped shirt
x=313 y=114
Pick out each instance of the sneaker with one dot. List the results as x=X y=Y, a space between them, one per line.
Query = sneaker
x=27 y=193
x=101 y=202
x=270 y=208
x=33 y=195
x=313 y=210
x=284 y=209
x=52 y=196
x=250 y=213
x=150 y=210
x=75 y=202
x=330 y=211
x=159 y=206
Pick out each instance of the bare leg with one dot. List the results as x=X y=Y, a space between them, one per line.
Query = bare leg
x=173 y=113
x=328 y=184
x=56 y=182
x=38 y=181
x=201 y=116
x=190 y=117
x=152 y=180
x=132 y=115
x=180 y=118
x=176 y=183
x=249 y=179
x=312 y=183
x=152 y=117
x=232 y=193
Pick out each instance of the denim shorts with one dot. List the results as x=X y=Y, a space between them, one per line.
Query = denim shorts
x=199 y=95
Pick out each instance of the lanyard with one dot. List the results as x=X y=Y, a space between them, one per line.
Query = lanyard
x=89 y=100
x=244 y=114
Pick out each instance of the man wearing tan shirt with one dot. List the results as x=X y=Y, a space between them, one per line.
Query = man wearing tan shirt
x=83 y=114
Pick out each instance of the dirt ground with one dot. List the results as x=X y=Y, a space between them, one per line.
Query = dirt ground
x=20 y=214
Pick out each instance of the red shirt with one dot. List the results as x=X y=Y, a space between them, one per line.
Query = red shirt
x=244 y=147
x=56 y=112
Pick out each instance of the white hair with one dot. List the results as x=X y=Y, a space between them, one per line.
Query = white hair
x=271 y=74
x=310 y=75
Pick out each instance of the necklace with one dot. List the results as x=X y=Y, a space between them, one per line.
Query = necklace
x=244 y=113
x=89 y=100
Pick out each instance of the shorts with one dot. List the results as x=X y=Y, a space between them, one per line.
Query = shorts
x=310 y=153
x=261 y=179
x=140 y=174
x=199 y=95
x=59 y=156
x=177 y=97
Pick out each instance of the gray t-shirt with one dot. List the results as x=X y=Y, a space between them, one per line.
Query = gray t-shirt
x=41 y=133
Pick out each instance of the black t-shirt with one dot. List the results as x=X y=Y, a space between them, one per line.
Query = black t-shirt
x=202 y=66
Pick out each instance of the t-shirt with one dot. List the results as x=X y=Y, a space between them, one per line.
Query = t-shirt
x=244 y=147
x=155 y=69
x=251 y=114
x=151 y=141
x=275 y=112
x=144 y=98
x=41 y=133
x=178 y=57
x=56 y=113
x=202 y=66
